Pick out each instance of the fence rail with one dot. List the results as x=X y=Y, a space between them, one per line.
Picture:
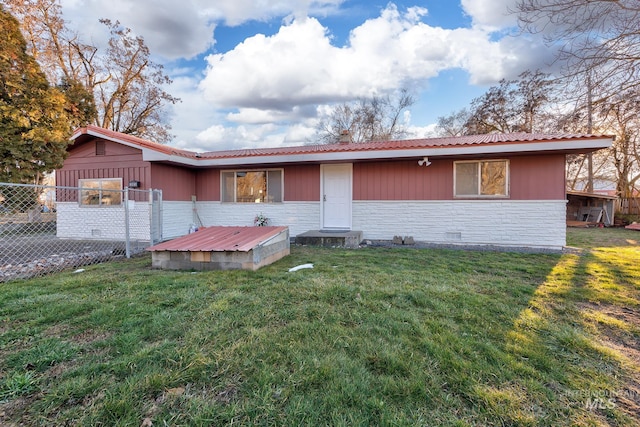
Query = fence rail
x=45 y=229
x=629 y=206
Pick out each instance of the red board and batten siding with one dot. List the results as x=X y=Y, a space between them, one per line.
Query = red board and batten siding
x=402 y=180
x=177 y=183
x=302 y=183
x=118 y=161
x=538 y=177
x=531 y=178
x=208 y=185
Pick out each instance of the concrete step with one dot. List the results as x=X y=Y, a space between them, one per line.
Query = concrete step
x=330 y=238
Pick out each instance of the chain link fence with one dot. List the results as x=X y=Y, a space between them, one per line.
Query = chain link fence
x=45 y=229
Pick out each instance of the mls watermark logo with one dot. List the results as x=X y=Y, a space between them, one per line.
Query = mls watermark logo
x=599 y=403
x=597 y=400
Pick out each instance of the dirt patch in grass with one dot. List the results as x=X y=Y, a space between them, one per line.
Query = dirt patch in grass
x=166 y=398
x=626 y=314
x=626 y=340
x=15 y=346
x=57 y=330
x=89 y=337
x=56 y=370
x=629 y=399
x=174 y=398
x=16 y=409
x=227 y=394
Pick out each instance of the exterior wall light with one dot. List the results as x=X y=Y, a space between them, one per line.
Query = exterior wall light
x=424 y=162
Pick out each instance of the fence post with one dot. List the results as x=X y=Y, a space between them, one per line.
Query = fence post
x=126 y=223
x=150 y=199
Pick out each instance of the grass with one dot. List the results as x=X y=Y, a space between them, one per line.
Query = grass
x=397 y=337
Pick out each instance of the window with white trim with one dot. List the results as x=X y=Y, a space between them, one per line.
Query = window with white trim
x=100 y=192
x=252 y=186
x=481 y=178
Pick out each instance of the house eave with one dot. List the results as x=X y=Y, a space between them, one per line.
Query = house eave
x=153 y=152
x=350 y=156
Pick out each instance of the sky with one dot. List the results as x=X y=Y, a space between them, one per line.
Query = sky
x=262 y=73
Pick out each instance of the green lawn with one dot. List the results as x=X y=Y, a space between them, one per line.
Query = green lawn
x=374 y=336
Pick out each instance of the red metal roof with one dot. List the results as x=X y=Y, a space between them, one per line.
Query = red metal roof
x=220 y=239
x=458 y=141
x=132 y=140
x=399 y=145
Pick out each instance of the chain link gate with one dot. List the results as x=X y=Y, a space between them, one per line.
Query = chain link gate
x=45 y=229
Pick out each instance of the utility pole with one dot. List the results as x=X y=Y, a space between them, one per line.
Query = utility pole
x=589 y=188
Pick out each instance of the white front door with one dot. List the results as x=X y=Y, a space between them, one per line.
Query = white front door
x=336 y=196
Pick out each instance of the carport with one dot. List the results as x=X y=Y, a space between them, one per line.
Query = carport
x=585 y=209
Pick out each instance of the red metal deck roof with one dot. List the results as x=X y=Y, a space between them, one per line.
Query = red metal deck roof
x=220 y=239
x=388 y=146
x=440 y=142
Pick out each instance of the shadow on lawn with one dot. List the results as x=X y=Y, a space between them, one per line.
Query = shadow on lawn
x=367 y=337
x=577 y=345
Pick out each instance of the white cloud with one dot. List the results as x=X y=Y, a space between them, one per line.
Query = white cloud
x=184 y=29
x=419 y=132
x=268 y=82
x=300 y=133
x=267 y=135
x=490 y=14
x=272 y=72
x=259 y=116
x=218 y=137
x=235 y=12
x=192 y=113
x=300 y=66
x=170 y=28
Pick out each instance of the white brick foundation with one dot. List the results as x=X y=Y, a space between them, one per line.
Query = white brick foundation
x=298 y=216
x=527 y=223
x=177 y=217
x=102 y=223
x=530 y=223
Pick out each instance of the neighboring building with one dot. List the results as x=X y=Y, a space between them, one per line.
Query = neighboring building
x=589 y=209
x=506 y=190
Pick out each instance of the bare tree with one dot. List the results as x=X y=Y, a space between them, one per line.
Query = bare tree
x=128 y=87
x=130 y=97
x=595 y=35
x=617 y=115
x=621 y=116
x=454 y=124
x=374 y=119
x=535 y=91
x=598 y=48
x=495 y=111
x=520 y=105
x=59 y=51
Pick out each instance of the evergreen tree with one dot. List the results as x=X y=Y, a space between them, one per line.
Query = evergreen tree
x=34 y=125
